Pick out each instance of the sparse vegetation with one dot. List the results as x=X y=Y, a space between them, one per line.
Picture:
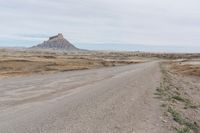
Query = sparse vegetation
x=183 y=121
x=176 y=116
x=184 y=130
x=14 y=63
x=179 y=98
x=186 y=69
x=174 y=98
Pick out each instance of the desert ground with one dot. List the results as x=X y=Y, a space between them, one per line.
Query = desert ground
x=99 y=92
x=27 y=62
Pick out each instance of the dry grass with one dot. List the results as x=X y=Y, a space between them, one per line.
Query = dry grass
x=17 y=63
x=25 y=62
x=186 y=69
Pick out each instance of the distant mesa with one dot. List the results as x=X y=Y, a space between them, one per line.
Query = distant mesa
x=57 y=42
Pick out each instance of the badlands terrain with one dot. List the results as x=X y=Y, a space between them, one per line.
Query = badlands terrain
x=44 y=91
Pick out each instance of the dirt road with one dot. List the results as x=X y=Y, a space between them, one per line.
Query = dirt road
x=108 y=100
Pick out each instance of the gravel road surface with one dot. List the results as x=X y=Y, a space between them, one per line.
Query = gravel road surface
x=107 y=100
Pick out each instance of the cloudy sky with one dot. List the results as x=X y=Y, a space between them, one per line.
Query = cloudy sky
x=102 y=24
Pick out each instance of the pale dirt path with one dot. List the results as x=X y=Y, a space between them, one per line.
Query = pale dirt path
x=108 y=100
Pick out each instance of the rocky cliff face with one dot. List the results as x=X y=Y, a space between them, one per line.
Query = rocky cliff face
x=57 y=42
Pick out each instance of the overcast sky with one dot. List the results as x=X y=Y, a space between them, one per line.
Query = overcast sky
x=141 y=22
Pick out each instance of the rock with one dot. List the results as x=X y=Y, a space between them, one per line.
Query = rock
x=165 y=121
x=57 y=42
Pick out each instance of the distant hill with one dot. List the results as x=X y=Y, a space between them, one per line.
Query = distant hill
x=57 y=42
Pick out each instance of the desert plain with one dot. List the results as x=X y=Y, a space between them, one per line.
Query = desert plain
x=99 y=92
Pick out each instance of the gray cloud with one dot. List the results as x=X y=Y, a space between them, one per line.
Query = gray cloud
x=172 y=22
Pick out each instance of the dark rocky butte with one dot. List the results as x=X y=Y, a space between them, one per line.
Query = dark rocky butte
x=57 y=42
